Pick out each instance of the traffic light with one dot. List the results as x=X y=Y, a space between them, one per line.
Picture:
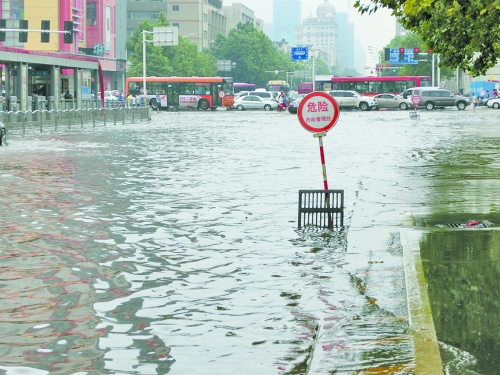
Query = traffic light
x=23 y=35
x=68 y=34
x=387 y=54
x=416 y=52
x=45 y=37
x=401 y=54
x=388 y=66
x=3 y=25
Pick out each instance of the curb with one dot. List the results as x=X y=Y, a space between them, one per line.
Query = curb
x=425 y=344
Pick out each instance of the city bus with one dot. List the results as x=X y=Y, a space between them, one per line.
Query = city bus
x=278 y=86
x=305 y=87
x=188 y=92
x=238 y=87
x=378 y=85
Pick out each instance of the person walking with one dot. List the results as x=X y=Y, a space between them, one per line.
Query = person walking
x=158 y=101
x=474 y=102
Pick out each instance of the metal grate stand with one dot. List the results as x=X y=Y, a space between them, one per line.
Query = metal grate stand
x=321 y=208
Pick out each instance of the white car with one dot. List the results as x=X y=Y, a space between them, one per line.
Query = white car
x=108 y=96
x=493 y=103
x=353 y=99
x=254 y=102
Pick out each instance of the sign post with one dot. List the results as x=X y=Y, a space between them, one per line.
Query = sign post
x=416 y=101
x=318 y=112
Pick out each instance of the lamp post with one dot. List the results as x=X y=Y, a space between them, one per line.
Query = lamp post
x=158 y=31
x=207 y=43
x=233 y=67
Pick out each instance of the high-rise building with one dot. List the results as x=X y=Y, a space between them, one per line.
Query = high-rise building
x=346 y=41
x=286 y=17
x=321 y=33
x=198 y=20
x=237 y=13
x=138 y=11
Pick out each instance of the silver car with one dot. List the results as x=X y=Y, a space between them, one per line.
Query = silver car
x=392 y=101
x=254 y=102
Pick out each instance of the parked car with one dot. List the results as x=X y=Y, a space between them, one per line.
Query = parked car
x=494 y=103
x=392 y=101
x=353 y=99
x=108 y=96
x=255 y=102
x=294 y=105
x=431 y=98
x=263 y=94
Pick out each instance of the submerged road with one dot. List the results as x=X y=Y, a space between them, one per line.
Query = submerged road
x=172 y=246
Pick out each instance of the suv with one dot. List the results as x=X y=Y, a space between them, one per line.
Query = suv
x=431 y=98
x=353 y=99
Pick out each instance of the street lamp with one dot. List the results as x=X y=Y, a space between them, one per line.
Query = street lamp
x=233 y=67
x=207 y=43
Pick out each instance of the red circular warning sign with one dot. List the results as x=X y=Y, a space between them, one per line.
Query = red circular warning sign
x=318 y=112
x=415 y=99
x=222 y=94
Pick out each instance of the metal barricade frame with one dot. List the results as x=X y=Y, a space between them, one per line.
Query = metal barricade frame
x=321 y=208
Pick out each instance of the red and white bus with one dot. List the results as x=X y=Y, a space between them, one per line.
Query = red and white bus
x=305 y=87
x=187 y=92
x=378 y=85
x=238 y=87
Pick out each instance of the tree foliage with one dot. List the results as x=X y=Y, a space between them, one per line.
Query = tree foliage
x=255 y=55
x=464 y=33
x=181 y=60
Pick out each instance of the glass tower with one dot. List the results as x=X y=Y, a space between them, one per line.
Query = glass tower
x=286 y=16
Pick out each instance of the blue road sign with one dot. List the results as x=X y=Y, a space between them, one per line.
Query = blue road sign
x=409 y=56
x=300 y=53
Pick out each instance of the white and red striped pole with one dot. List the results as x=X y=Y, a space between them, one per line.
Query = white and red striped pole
x=323 y=166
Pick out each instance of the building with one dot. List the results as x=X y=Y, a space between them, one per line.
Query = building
x=321 y=33
x=345 y=41
x=286 y=17
x=198 y=20
x=138 y=11
x=237 y=13
x=94 y=24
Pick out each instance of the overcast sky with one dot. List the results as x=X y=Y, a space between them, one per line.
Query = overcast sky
x=375 y=30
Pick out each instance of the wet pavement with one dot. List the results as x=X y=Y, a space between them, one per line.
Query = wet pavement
x=172 y=246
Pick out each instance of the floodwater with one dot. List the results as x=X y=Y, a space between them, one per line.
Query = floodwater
x=172 y=246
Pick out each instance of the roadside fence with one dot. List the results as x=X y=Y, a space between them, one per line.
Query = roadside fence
x=18 y=122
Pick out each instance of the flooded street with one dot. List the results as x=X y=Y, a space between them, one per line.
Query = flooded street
x=172 y=246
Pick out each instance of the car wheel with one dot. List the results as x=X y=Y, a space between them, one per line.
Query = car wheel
x=203 y=104
x=364 y=106
x=267 y=107
x=461 y=105
x=429 y=106
x=496 y=105
x=240 y=107
x=403 y=106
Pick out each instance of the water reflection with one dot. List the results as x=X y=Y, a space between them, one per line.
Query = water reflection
x=461 y=266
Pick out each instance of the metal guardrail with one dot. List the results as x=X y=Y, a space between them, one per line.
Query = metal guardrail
x=23 y=120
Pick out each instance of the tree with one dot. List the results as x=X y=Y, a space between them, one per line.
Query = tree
x=185 y=60
x=464 y=33
x=156 y=63
x=254 y=55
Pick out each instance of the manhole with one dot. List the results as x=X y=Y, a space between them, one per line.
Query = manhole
x=469 y=224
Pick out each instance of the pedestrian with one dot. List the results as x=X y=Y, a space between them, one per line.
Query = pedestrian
x=120 y=99
x=474 y=102
x=487 y=93
x=158 y=101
